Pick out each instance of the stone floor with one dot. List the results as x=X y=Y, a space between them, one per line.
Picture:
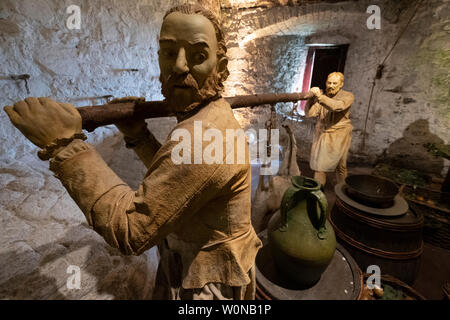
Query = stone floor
x=47 y=249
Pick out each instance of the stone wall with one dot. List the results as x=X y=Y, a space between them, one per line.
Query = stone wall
x=268 y=46
x=43 y=232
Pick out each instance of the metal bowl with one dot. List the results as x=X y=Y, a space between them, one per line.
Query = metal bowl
x=371 y=190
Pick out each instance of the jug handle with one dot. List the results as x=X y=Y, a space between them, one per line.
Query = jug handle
x=323 y=205
x=286 y=204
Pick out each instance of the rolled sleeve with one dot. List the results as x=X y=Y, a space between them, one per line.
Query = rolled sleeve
x=134 y=221
x=84 y=174
x=312 y=108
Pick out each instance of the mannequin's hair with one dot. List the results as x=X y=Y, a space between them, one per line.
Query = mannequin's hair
x=197 y=9
x=339 y=74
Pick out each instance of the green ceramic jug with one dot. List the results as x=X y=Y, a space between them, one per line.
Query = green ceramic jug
x=300 y=237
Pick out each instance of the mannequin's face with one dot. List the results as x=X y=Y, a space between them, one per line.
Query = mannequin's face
x=333 y=85
x=187 y=58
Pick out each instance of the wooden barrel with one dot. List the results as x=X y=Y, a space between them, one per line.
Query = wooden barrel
x=342 y=280
x=392 y=243
x=435 y=207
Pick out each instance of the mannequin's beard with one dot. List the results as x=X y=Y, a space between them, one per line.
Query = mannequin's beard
x=211 y=88
x=332 y=92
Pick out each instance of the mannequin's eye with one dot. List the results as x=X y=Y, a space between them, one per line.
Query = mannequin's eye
x=168 y=53
x=199 y=57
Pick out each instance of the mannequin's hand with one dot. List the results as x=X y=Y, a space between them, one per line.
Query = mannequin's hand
x=42 y=120
x=316 y=92
x=131 y=128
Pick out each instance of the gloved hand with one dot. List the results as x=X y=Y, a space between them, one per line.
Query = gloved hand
x=131 y=128
x=42 y=120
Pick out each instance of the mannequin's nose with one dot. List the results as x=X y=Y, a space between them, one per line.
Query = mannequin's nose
x=181 y=65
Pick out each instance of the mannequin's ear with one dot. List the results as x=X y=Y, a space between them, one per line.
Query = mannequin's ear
x=222 y=70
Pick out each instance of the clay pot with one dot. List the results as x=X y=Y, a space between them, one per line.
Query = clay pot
x=300 y=237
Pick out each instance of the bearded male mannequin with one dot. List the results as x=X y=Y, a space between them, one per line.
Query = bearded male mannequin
x=197 y=214
x=332 y=136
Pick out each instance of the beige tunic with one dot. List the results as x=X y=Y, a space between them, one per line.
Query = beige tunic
x=332 y=136
x=205 y=208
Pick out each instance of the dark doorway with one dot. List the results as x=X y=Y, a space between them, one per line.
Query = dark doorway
x=326 y=61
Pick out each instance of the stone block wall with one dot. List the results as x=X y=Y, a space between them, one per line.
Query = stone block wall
x=43 y=232
x=268 y=46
